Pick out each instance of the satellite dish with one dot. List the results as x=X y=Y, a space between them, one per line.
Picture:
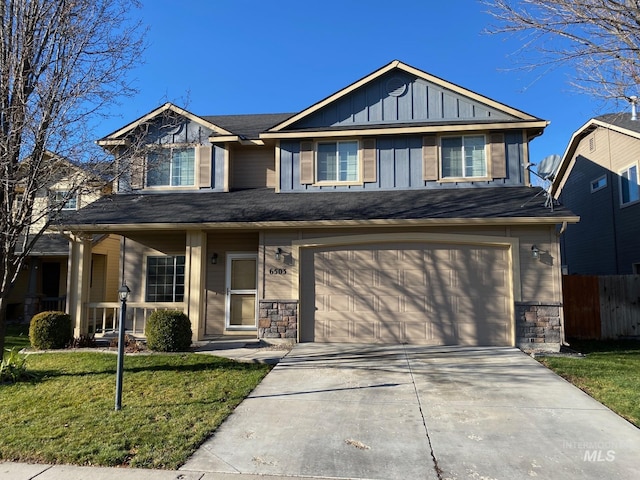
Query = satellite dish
x=547 y=167
x=546 y=171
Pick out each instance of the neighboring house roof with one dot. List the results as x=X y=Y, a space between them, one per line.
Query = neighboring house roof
x=251 y=208
x=619 y=122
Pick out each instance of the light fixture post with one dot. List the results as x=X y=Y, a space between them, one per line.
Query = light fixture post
x=123 y=294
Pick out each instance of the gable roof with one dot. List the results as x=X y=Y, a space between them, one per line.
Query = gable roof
x=618 y=122
x=256 y=208
x=119 y=136
x=398 y=65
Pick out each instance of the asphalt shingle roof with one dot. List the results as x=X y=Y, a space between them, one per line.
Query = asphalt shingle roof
x=250 y=125
x=622 y=119
x=264 y=205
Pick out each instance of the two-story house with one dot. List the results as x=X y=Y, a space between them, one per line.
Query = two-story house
x=398 y=209
x=42 y=282
x=598 y=180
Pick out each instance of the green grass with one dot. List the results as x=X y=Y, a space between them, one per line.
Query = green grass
x=610 y=373
x=170 y=405
x=17 y=335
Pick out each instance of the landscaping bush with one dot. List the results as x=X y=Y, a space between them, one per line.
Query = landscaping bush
x=50 y=330
x=13 y=366
x=168 y=331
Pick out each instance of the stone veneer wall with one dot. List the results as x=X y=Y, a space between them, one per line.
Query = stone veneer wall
x=538 y=326
x=278 y=319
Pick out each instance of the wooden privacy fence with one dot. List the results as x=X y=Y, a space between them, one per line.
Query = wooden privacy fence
x=601 y=307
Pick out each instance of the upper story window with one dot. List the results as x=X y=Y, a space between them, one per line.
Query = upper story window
x=171 y=167
x=464 y=157
x=629 y=189
x=598 y=183
x=337 y=162
x=70 y=202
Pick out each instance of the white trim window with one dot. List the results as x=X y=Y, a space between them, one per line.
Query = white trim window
x=464 y=157
x=70 y=201
x=337 y=161
x=165 y=278
x=629 y=189
x=598 y=183
x=171 y=167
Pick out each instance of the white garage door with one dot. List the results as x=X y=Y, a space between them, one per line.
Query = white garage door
x=413 y=293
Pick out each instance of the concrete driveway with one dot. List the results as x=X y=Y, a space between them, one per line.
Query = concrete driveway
x=414 y=412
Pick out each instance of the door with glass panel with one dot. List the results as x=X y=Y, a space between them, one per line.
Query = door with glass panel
x=242 y=281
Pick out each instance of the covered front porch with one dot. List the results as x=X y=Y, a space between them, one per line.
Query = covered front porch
x=211 y=276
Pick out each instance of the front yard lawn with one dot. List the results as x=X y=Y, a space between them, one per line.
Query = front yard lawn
x=170 y=405
x=17 y=336
x=610 y=373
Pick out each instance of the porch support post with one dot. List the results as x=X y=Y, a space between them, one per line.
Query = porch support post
x=78 y=281
x=196 y=254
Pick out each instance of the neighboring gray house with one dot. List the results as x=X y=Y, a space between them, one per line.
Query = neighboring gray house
x=598 y=180
x=398 y=209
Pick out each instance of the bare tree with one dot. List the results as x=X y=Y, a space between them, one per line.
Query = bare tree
x=61 y=63
x=599 y=39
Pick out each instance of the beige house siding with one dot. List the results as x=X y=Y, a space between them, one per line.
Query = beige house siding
x=138 y=247
x=222 y=244
x=109 y=247
x=252 y=167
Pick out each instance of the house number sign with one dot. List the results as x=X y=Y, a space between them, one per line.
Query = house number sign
x=277 y=271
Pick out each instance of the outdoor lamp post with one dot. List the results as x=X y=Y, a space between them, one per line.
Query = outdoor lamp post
x=123 y=294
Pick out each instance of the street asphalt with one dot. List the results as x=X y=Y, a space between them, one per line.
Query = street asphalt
x=340 y=411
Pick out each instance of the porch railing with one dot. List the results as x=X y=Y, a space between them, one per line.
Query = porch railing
x=103 y=317
x=57 y=304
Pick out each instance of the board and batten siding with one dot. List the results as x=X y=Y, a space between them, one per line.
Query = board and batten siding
x=209 y=164
x=399 y=97
x=399 y=165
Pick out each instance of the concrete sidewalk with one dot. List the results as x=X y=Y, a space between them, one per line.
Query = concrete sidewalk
x=26 y=471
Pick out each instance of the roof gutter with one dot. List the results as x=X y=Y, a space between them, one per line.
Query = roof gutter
x=395 y=130
x=425 y=222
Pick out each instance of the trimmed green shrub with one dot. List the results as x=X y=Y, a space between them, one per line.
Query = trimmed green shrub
x=49 y=330
x=168 y=331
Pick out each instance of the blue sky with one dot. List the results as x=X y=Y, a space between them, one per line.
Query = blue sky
x=216 y=57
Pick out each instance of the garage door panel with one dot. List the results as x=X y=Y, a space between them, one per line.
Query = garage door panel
x=364 y=331
x=364 y=277
x=389 y=303
x=365 y=303
x=390 y=332
x=338 y=303
x=414 y=279
x=417 y=304
x=415 y=293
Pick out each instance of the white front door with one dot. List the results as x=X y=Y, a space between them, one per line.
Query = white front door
x=242 y=280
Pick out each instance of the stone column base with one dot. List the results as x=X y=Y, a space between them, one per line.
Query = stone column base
x=538 y=327
x=278 y=319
